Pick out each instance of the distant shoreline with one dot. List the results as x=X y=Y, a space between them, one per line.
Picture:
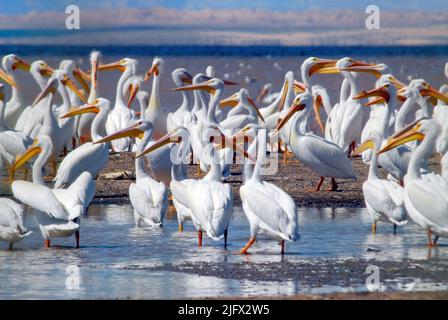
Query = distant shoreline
x=228 y=50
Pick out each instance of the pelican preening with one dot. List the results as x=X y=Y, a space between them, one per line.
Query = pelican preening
x=206 y=129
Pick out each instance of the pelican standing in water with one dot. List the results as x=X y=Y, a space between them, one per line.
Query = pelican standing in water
x=425 y=195
x=268 y=208
x=209 y=199
x=148 y=197
x=384 y=198
x=322 y=156
x=12 y=229
x=58 y=211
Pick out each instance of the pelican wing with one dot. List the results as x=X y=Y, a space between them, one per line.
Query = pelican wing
x=39 y=197
x=264 y=201
x=148 y=194
x=87 y=157
x=429 y=196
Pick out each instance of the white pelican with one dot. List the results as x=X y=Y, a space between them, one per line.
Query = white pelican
x=155 y=113
x=396 y=161
x=31 y=119
x=59 y=130
x=320 y=155
x=12 y=142
x=384 y=198
x=148 y=197
x=121 y=116
x=84 y=121
x=12 y=229
x=16 y=105
x=215 y=87
x=209 y=199
x=268 y=208
x=88 y=156
x=425 y=196
x=182 y=116
x=346 y=119
x=58 y=211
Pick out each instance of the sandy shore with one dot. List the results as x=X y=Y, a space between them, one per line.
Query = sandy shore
x=296 y=179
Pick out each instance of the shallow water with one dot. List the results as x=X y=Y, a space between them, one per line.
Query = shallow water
x=119 y=260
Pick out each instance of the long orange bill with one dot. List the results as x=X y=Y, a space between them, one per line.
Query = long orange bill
x=317 y=105
x=132 y=131
x=408 y=134
x=295 y=108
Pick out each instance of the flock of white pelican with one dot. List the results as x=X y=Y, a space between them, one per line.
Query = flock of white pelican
x=394 y=125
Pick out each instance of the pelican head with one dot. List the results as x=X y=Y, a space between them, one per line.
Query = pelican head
x=157 y=67
x=299 y=104
x=42 y=68
x=132 y=86
x=137 y=130
x=387 y=86
x=181 y=77
x=415 y=131
x=176 y=136
x=71 y=68
x=11 y=63
x=58 y=77
x=41 y=144
x=95 y=107
x=342 y=64
x=243 y=97
x=426 y=90
x=313 y=64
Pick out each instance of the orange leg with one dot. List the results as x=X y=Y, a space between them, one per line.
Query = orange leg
x=47 y=243
x=319 y=184
x=181 y=227
x=198 y=169
x=374 y=228
x=200 y=238
x=430 y=243
x=247 y=246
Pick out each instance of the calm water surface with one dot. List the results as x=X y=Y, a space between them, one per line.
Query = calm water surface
x=119 y=260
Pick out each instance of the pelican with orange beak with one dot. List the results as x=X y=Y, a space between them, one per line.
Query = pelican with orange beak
x=15 y=106
x=121 y=115
x=395 y=162
x=88 y=157
x=59 y=130
x=425 y=195
x=209 y=200
x=325 y=158
x=148 y=197
x=155 y=113
x=269 y=209
x=346 y=120
x=182 y=116
x=58 y=211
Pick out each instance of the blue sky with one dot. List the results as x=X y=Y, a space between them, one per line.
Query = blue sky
x=24 y=6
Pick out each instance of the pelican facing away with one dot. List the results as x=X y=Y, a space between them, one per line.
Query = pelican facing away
x=384 y=198
x=58 y=211
x=425 y=195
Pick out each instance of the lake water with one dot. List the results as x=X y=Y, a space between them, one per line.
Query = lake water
x=119 y=260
